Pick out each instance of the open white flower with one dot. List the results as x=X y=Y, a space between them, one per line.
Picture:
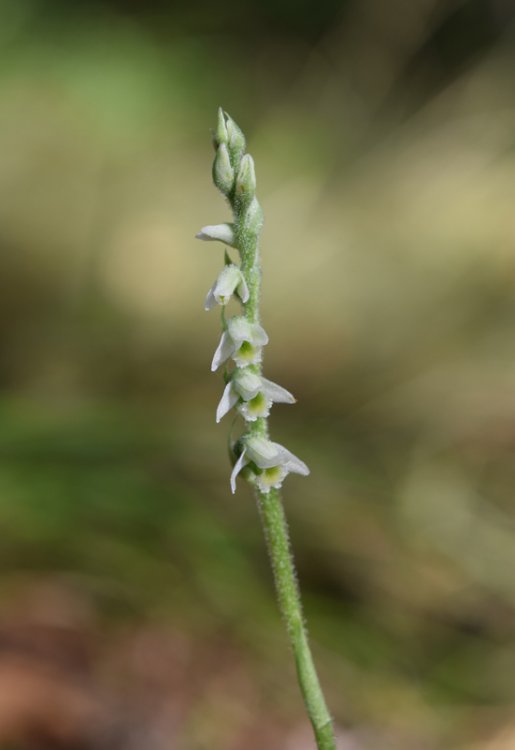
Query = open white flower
x=217 y=232
x=255 y=394
x=229 y=280
x=242 y=341
x=274 y=460
x=261 y=403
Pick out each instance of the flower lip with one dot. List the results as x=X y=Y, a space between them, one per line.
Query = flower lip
x=256 y=408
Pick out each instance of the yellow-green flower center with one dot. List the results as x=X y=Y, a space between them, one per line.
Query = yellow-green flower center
x=257 y=405
x=246 y=352
x=272 y=476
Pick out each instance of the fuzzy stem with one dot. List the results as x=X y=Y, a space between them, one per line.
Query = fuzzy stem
x=281 y=558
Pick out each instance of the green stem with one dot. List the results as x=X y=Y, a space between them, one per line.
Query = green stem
x=276 y=534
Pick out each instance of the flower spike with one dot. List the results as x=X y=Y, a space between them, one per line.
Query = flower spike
x=243 y=337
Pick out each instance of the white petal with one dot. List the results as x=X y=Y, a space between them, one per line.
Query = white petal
x=238 y=466
x=228 y=400
x=267 y=454
x=240 y=329
x=259 y=335
x=210 y=300
x=293 y=464
x=226 y=284
x=277 y=393
x=263 y=452
x=224 y=350
x=220 y=232
x=243 y=290
x=247 y=384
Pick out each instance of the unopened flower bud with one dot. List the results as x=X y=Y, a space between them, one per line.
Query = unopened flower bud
x=221 y=135
x=236 y=141
x=223 y=173
x=252 y=219
x=246 y=179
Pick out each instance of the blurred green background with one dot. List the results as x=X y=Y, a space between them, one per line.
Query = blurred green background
x=136 y=601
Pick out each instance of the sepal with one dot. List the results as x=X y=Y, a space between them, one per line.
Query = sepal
x=218 y=232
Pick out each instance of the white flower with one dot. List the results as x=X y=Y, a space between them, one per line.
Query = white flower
x=242 y=341
x=275 y=461
x=257 y=394
x=229 y=280
x=217 y=232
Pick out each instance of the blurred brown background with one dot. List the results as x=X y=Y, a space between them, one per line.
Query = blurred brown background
x=136 y=602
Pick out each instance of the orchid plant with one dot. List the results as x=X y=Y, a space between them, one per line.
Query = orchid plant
x=262 y=462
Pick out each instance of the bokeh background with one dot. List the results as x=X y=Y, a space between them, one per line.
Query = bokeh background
x=137 y=608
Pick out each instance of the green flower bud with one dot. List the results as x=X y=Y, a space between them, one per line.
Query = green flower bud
x=223 y=173
x=221 y=135
x=246 y=179
x=252 y=219
x=236 y=142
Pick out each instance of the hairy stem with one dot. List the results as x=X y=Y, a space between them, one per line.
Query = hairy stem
x=276 y=534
